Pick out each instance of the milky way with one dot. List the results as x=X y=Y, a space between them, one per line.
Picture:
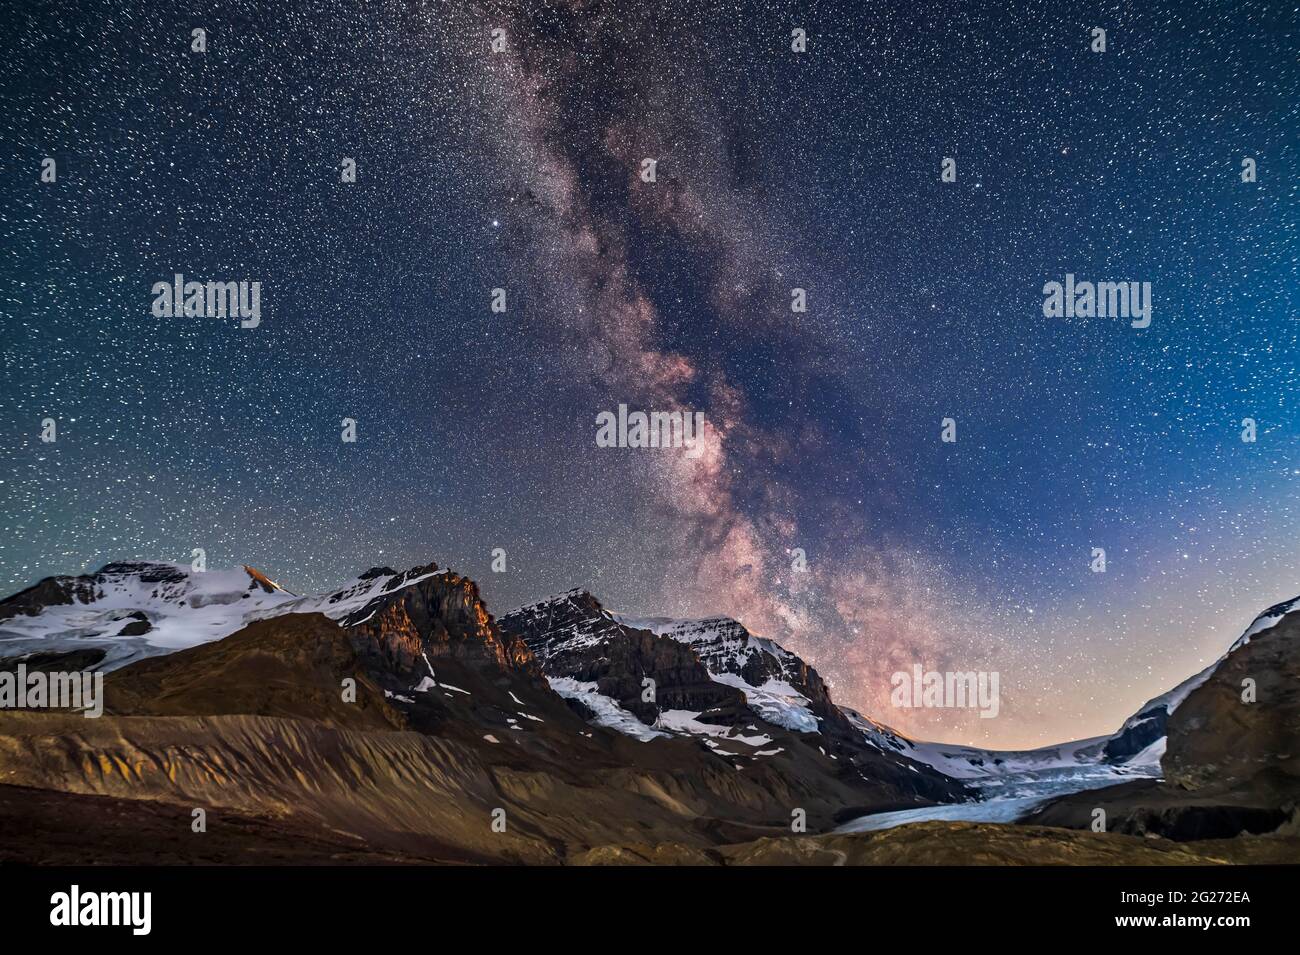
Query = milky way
x=522 y=169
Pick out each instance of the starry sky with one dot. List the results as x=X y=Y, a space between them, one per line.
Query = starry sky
x=819 y=170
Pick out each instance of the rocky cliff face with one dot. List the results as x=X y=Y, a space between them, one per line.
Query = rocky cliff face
x=572 y=636
x=725 y=646
x=450 y=717
x=427 y=614
x=744 y=696
x=1231 y=762
x=1152 y=722
x=1240 y=729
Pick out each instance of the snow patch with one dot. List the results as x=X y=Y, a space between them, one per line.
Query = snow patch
x=607 y=711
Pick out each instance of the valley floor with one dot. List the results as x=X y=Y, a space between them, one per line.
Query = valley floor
x=44 y=827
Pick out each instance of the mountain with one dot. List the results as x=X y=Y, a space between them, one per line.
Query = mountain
x=1147 y=728
x=396 y=714
x=776 y=683
x=1138 y=746
x=745 y=697
x=127 y=611
x=1228 y=735
x=394 y=718
x=1217 y=739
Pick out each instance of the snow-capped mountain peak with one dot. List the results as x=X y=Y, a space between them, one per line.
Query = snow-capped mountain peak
x=1147 y=726
x=131 y=610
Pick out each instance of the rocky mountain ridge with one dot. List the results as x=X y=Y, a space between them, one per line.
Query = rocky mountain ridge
x=220 y=678
x=449 y=719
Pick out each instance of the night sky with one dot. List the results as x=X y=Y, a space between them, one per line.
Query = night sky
x=521 y=170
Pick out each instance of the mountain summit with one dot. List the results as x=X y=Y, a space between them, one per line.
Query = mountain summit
x=397 y=711
x=743 y=696
x=396 y=715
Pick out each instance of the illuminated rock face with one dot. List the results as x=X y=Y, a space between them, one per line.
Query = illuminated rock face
x=1241 y=727
x=439 y=615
